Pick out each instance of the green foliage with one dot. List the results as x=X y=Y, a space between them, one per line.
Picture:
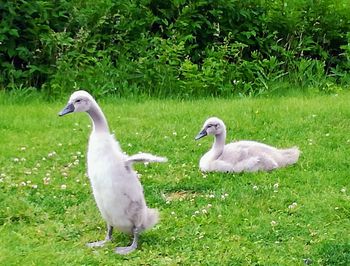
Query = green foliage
x=174 y=48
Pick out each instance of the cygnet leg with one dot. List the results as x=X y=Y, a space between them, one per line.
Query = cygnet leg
x=132 y=247
x=102 y=242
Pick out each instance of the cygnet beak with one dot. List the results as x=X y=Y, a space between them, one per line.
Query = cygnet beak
x=66 y=110
x=201 y=134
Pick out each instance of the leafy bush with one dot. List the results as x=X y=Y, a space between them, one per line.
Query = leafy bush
x=174 y=48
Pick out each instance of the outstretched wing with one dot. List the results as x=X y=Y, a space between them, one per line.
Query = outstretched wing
x=144 y=158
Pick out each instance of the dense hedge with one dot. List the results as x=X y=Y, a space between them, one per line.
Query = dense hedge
x=171 y=48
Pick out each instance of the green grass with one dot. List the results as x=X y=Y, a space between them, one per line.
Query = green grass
x=211 y=219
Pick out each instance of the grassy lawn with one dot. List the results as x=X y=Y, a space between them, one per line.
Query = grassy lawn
x=293 y=216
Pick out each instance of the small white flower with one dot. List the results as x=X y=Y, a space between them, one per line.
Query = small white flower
x=343 y=190
x=29 y=182
x=23 y=184
x=23 y=159
x=196 y=212
x=35 y=186
x=76 y=162
x=209 y=205
x=211 y=196
x=35 y=169
x=28 y=172
x=60 y=144
x=23 y=148
x=78 y=153
x=275 y=187
x=63 y=186
x=129 y=145
x=46 y=180
x=174 y=133
x=78 y=180
x=293 y=205
x=38 y=165
x=3 y=175
x=255 y=188
x=173 y=213
x=44 y=159
x=16 y=160
x=204 y=211
x=327 y=135
x=64 y=174
x=273 y=223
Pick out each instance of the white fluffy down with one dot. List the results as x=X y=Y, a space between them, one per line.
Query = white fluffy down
x=241 y=156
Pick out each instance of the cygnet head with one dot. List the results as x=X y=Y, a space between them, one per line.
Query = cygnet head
x=212 y=126
x=79 y=101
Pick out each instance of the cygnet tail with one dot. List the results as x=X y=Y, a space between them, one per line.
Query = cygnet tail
x=289 y=156
x=151 y=219
x=145 y=158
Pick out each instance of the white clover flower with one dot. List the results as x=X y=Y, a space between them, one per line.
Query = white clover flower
x=255 y=188
x=204 y=211
x=174 y=133
x=60 y=144
x=293 y=205
x=64 y=174
x=76 y=162
x=16 y=160
x=63 y=186
x=44 y=159
x=46 y=180
x=23 y=184
x=29 y=182
x=34 y=186
x=275 y=187
x=343 y=190
x=196 y=212
x=23 y=159
x=23 y=148
x=28 y=172
x=173 y=213
x=129 y=145
x=209 y=205
x=273 y=223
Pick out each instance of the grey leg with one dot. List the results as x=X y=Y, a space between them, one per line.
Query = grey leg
x=102 y=242
x=132 y=247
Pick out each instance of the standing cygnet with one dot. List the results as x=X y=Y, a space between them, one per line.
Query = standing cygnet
x=116 y=187
x=241 y=156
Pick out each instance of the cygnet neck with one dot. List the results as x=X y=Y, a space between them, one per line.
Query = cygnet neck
x=99 y=121
x=219 y=143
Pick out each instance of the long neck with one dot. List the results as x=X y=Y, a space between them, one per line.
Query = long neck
x=219 y=144
x=98 y=119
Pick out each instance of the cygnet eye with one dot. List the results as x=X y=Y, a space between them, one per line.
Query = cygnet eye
x=78 y=101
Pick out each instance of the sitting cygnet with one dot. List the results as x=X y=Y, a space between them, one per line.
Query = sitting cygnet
x=116 y=187
x=241 y=156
